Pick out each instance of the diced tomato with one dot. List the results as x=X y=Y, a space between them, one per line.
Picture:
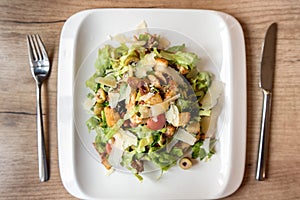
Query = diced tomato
x=156 y=123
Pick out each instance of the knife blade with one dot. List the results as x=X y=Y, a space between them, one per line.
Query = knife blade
x=268 y=59
x=267 y=69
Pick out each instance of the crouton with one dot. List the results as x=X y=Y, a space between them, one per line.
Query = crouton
x=154 y=99
x=160 y=64
x=111 y=116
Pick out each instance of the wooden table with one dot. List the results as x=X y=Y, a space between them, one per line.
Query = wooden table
x=18 y=146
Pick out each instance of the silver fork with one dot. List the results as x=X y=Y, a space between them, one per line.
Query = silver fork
x=40 y=69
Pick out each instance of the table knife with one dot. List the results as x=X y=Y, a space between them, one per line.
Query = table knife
x=266 y=84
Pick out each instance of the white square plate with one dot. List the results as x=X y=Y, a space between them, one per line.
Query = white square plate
x=222 y=38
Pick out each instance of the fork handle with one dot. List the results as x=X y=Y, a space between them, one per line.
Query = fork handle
x=42 y=160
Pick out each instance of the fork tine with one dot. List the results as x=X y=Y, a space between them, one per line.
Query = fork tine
x=37 y=47
x=42 y=47
x=31 y=49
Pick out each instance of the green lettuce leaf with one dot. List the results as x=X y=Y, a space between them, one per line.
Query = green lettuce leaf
x=113 y=130
x=196 y=149
x=120 y=51
x=143 y=143
x=100 y=140
x=90 y=83
x=92 y=123
x=185 y=59
x=200 y=83
x=174 y=49
x=165 y=160
x=127 y=158
x=103 y=61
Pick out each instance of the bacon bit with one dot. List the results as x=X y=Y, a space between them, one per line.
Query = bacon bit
x=108 y=148
x=143 y=87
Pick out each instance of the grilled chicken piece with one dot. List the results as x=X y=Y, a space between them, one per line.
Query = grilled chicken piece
x=172 y=90
x=154 y=81
x=184 y=118
x=193 y=127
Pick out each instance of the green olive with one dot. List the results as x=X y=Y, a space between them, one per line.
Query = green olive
x=185 y=163
x=100 y=96
x=98 y=108
x=131 y=59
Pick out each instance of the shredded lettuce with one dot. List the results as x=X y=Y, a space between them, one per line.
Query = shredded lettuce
x=92 y=123
x=120 y=51
x=127 y=158
x=139 y=177
x=100 y=141
x=198 y=151
x=200 y=83
x=165 y=160
x=143 y=143
x=175 y=49
x=91 y=83
x=113 y=130
x=183 y=104
x=186 y=59
x=103 y=61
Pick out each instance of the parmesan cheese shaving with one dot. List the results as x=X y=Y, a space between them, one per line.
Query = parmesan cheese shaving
x=113 y=99
x=185 y=136
x=172 y=115
x=161 y=108
x=108 y=81
x=145 y=65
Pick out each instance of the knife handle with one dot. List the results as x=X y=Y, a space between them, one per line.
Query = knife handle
x=264 y=137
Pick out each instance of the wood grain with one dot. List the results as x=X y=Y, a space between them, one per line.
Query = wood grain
x=18 y=158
